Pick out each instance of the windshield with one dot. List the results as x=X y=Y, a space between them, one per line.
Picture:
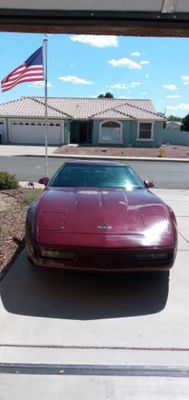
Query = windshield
x=94 y=175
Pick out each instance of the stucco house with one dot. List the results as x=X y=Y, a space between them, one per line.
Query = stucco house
x=123 y=122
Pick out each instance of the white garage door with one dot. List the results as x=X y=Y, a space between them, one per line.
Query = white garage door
x=30 y=132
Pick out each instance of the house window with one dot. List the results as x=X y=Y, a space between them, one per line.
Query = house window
x=110 y=132
x=145 y=131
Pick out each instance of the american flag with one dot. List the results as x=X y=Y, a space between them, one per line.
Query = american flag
x=31 y=70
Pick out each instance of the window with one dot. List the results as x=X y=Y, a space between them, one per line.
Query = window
x=145 y=131
x=110 y=132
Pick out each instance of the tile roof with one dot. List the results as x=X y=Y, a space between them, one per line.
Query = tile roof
x=81 y=108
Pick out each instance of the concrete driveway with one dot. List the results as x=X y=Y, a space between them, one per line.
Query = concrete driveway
x=97 y=336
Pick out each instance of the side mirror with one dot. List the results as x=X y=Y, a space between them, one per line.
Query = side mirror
x=44 y=180
x=149 y=184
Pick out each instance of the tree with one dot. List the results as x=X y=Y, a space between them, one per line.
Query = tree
x=174 y=118
x=107 y=95
x=185 y=123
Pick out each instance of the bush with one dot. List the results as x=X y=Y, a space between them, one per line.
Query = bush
x=8 y=181
x=31 y=195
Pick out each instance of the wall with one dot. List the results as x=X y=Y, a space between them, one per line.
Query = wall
x=130 y=134
x=157 y=136
x=176 y=137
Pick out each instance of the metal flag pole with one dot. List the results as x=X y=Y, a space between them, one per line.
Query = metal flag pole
x=46 y=116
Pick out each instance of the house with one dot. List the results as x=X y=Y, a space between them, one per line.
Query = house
x=95 y=121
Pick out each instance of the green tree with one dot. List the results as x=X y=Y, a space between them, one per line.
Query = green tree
x=174 y=118
x=107 y=95
x=185 y=123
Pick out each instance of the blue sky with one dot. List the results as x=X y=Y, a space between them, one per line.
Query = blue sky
x=85 y=66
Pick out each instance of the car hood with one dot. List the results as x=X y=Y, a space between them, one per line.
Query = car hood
x=99 y=211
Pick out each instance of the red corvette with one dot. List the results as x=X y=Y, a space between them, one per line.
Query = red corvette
x=100 y=216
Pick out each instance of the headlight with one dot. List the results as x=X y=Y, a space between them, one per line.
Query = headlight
x=64 y=255
x=155 y=256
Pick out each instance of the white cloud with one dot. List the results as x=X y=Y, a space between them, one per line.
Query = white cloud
x=185 y=79
x=40 y=84
x=170 y=87
x=182 y=106
x=144 y=62
x=124 y=86
x=135 y=54
x=147 y=76
x=125 y=62
x=135 y=84
x=119 y=86
x=173 y=96
x=75 y=80
x=96 y=40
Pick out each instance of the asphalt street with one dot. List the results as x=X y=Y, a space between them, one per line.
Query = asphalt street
x=164 y=174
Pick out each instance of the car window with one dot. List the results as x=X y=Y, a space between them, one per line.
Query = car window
x=86 y=175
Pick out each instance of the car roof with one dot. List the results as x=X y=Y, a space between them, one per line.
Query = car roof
x=97 y=162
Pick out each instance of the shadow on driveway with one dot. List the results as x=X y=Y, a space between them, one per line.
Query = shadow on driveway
x=32 y=291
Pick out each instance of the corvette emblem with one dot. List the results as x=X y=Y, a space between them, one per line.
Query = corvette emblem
x=104 y=227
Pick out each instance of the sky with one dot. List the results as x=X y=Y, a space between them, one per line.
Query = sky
x=88 y=65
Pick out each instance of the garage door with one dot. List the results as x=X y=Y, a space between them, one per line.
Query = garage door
x=29 y=132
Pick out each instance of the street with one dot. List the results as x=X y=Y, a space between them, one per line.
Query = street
x=164 y=174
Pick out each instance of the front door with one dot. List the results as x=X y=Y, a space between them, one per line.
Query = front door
x=84 y=132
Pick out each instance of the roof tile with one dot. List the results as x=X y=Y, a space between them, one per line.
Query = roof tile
x=81 y=108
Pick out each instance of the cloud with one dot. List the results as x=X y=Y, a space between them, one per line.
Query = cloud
x=96 y=40
x=125 y=62
x=173 y=96
x=185 y=79
x=144 y=62
x=40 y=84
x=147 y=76
x=144 y=93
x=75 y=80
x=124 y=86
x=135 y=84
x=182 y=106
x=119 y=86
x=170 y=87
x=135 y=54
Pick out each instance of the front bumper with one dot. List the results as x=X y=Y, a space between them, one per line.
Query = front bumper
x=105 y=260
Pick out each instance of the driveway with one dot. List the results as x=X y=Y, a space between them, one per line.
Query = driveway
x=97 y=336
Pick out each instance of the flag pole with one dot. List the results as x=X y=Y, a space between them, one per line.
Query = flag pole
x=45 y=42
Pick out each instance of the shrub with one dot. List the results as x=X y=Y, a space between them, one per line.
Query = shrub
x=8 y=181
x=31 y=195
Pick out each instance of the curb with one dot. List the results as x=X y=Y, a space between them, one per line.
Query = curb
x=85 y=157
